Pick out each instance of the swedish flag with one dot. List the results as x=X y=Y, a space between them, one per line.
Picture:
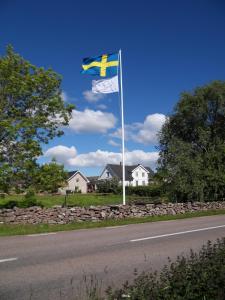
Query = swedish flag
x=103 y=65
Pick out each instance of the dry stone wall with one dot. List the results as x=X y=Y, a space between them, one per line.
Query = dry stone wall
x=60 y=215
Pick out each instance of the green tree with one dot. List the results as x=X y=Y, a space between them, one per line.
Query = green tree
x=32 y=112
x=192 y=145
x=50 y=177
x=109 y=186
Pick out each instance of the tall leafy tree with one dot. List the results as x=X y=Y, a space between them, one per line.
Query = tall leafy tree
x=50 y=177
x=32 y=112
x=192 y=145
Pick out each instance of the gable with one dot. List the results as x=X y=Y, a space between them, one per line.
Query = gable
x=140 y=167
x=77 y=174
x=104 y=174
x=116 y=171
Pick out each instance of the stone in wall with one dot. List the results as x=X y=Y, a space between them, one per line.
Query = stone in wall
x=62 y=215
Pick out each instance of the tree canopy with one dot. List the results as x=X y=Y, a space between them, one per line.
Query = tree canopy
x=192 y=145
x=50 y=177
x=32 y=112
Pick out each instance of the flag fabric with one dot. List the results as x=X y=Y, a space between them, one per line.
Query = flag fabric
x=103 y=65
x=105 y=86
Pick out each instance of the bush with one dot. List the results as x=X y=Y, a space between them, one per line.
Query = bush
x=10 y=204
x=201 y=276
x=29 y=200
x=29 y=203
x=144 y=191
x=109 y=186
x=145 y=200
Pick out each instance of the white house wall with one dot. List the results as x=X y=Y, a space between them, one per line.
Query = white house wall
x=77 y=182
x=140 y=177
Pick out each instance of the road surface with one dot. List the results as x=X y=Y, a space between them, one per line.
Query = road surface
x=59 y=265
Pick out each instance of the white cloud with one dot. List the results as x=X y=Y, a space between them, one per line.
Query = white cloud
x=61 y=153
x=92 y=97
x=91 y=121
x=113 y=143
x=102 y=106
x=100 y=158
x=144 y=133
x=129 y=131
x=151 y=126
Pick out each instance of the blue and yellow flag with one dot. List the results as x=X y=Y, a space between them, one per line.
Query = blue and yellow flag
x=103 y=65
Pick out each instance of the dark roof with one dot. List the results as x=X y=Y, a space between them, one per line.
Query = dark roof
x=116 y=171
x=151 y=172
x=93 y=179
x=71 y=173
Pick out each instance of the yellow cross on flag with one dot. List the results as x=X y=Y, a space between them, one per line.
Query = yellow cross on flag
x=103 y=65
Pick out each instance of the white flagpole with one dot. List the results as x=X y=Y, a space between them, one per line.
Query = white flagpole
x=122 y=121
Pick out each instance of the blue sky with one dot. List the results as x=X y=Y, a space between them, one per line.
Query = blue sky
x=167 y=47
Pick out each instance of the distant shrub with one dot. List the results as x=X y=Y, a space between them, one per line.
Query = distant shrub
x=144 y=191
x=145 y=200
x=29 y=200
x=29 y=203
x=201 y=276
x=109 y=186
x=10 y=204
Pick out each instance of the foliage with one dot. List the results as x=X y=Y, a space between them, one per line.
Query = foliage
x=32 y=112
x=50 y=177
x=200 y=276
x=145 y=194
x=144 y=191
x=109 y=186
x=152 y=191
x=192 y=146
x=28 y=201
x=9 y=204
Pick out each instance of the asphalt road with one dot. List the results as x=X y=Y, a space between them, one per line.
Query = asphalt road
x=60 y=265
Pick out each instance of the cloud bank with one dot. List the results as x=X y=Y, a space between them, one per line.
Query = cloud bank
x=70 y=158
x=92 y=97
x=91 y=121
x=143 y=133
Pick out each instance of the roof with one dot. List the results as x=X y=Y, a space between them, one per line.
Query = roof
x=72 y=173
x=116 y=171
x=93 y=179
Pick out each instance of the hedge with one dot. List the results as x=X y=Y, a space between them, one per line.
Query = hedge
x=144 y=191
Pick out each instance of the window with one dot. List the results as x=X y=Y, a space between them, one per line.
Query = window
x=136 y=182
x=107 y=174
x=143 y=182
x=143 y=174
x=77 y=180
x=136 y=174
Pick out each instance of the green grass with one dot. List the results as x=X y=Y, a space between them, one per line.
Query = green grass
x=73 y=200
x=6 y=230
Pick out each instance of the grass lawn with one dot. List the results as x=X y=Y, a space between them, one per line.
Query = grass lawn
x=6 y=230
x=74 y=200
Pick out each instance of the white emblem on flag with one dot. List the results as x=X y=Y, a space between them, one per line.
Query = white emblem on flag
x=105 y=86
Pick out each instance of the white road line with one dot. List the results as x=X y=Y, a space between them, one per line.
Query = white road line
x=176 y=233
x=41 y=234
x=8 y=259
x=114 y=227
